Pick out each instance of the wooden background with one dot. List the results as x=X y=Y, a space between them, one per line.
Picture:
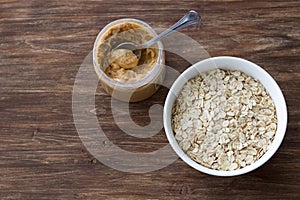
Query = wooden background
x=43 y=43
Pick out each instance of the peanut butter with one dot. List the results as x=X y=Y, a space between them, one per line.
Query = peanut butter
x=123 y=65
x=123 y=58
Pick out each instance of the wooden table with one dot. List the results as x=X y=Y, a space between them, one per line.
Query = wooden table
x=42 y=45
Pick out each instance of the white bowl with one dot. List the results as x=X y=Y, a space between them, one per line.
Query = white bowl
x=228 y=63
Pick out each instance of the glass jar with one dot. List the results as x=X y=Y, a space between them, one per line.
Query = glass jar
x=130 y=91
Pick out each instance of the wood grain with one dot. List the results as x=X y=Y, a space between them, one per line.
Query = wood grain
x=43 y=43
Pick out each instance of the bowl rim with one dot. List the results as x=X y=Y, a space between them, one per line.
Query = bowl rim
x=188 y=74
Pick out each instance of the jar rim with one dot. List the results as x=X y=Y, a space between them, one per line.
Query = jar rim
x=127 y=85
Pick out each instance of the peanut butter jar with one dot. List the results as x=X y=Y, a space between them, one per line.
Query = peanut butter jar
x=121 y=74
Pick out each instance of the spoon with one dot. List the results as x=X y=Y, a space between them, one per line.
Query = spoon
x=192 y=17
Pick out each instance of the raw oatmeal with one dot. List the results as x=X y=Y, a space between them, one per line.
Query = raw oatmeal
x=224 y=120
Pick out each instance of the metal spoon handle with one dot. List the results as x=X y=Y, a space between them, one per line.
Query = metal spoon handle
x=192 y=17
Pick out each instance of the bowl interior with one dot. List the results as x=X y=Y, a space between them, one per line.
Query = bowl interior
x=228 y=63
